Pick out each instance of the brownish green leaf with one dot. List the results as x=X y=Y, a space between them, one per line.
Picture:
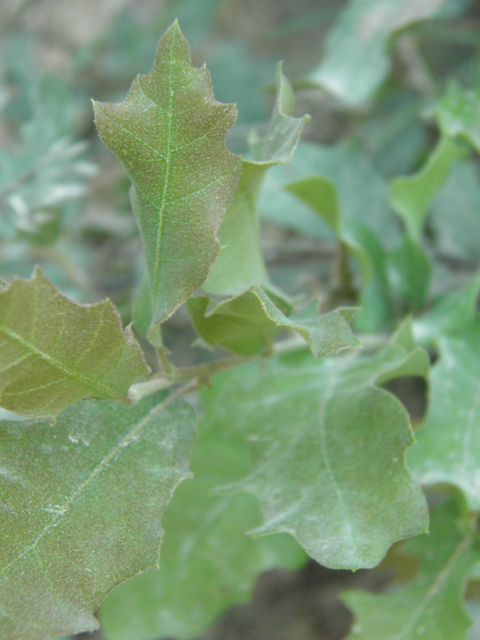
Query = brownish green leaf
x=81 y=507
x=54 y=351
x=170 y=135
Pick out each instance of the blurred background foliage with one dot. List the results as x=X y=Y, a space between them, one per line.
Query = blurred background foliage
x=371 y=85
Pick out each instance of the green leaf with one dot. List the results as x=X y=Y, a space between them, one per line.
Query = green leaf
x=247 y=324
x=356 y=61
x=458 y=235
x=321 y=195
x=170 y=135
x=458 y=114
x=362 y=191
x=451 y=313
x=328 y=447
x=74 y=528
x=448 y=445
x=410 y=273
x=411 y=196
x=240 y=264
x=207 y=563
x=430 y=606
x=54 y=351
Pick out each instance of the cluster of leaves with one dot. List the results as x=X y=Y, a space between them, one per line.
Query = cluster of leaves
x=298 y=443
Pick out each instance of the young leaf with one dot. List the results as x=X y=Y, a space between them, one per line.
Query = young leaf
x=54 y=351
x=240 y=264
x=411 y=196
x=247 y=324
x=356 y=60
x=81 y=505
x=448 y=447
x=328 y=447
x=170 y=135
x=207 y=563
x=430 y=607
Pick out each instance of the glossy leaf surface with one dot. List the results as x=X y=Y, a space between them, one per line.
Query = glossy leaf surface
x=247 y=324
x=170 y=135
x=240 y=264
x=430 y=606
x=54 y=351
x=82 y=503
x=328 y=447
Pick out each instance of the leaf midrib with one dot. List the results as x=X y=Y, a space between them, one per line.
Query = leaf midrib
x=76 y=375
x=62 y=510
x=434 y=588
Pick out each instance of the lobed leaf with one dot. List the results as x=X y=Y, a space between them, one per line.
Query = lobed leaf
x=430 y=606
x=240 y=264
x=328 y=447
x=74 y=528
x=54 y=352
x=170 y=135
x=247 y=324
x=208 y=563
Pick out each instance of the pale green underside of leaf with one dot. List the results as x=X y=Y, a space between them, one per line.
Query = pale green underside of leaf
x=448 y=449
x=356 y=60
x=81 y=504
x=430 y=607
x=208 y=562
x=54 y=351
x=329 y=450
x=170 y=135
x=240 y=265
x=411 y=196
x=247 y=324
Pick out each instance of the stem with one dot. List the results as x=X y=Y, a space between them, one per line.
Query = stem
x=342 y=277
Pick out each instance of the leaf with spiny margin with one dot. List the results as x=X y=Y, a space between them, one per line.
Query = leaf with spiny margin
x=328 y=447
x=207 y=562
x=357 y=60
x=240 y=264
x=170 y=135
x=411 y=196
x=54 y=351
x=82 y=503
x=430 y=606
x=321 y=195
x=247 y=324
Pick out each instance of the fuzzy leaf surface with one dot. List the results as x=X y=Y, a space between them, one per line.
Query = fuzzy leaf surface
x=170 y=135
x=247 y=324
x=458 y=114
x=430 y=606
x=448 y=444
x=75 y=528
x=54 y=352
x=328 y=447
x=240 y=264
x=207 y=562
x=356 y=60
